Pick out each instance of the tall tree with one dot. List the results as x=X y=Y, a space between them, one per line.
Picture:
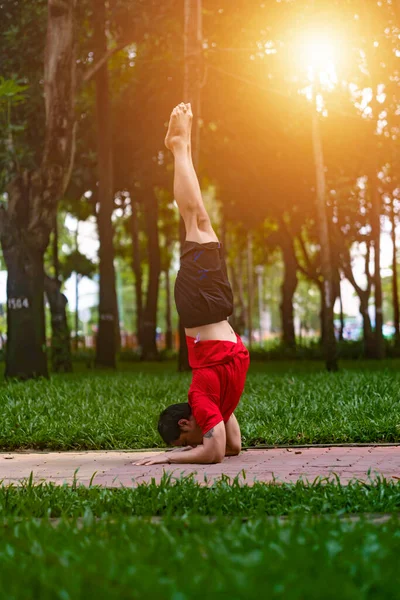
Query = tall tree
x=61 y=359
x=106 y=346
x=329 y=340
x=26 y=223
x=395 y=290
x=169 y=232
x=376 y=230
x=289 y=285
x=137 y=269
x=149 y=346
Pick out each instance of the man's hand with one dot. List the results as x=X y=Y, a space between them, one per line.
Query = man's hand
x=159 y=459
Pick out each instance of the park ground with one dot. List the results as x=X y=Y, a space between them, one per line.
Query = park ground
x=80 y=520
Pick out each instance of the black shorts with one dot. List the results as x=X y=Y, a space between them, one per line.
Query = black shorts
x=203 y=294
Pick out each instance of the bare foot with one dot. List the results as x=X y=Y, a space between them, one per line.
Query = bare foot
x=180 y=126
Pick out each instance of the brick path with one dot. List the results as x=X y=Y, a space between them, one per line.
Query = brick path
x=116 y=468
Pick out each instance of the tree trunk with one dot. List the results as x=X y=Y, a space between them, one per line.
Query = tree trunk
x=322 y=314
x=376 y=202
x=60 y=334
x=61 y=340
x=26 y=341
x=191 y=93
x=374 y=194
x=241 y=296
x=395 y=290
x=326 y=262
x=149 y=348
x=193 y=63
x=250 y=287
x=238 y=319
x=76 y=341
x=106 y=345
x=76 y=338
x=168 y=319
x=26 y=225
x=137 y=270
x=288 y=288
x=341 y=332
x=369 y=341
x=183 y=357
x=56 y=262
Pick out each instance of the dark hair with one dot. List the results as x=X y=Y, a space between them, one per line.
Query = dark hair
x=168 y=426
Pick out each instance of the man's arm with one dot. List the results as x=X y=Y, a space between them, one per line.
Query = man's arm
x=212 y=450
x=233 y=437
x=180 y=449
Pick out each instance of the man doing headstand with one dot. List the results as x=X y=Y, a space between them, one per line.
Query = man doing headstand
x=205 y=426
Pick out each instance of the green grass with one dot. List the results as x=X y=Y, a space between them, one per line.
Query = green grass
x=223 y=541
x=283 y=403
x=190 y=559
x=186 y=497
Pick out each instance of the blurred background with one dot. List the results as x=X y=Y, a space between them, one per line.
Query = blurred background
x=296 y=142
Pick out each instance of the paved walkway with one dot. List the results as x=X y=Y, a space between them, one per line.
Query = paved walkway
x=114 y=469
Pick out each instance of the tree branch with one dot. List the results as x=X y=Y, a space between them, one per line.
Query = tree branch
x=348 y=272
x=310 y=270
x=68 y=173
x=367 y=269
x=304 y=251
x=304 y=271
x=90 y=73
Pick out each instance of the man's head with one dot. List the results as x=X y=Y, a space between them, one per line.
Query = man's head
x=178 y=427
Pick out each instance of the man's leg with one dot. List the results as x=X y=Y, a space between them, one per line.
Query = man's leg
x=186 y=185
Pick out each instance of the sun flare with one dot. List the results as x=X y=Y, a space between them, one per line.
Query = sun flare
x=318 y=55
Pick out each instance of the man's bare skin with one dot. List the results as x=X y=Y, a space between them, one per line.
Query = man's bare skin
x=223 y=439
x=228 y=432
x=197 y=221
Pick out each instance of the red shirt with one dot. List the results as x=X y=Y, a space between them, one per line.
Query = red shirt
x=219 y=375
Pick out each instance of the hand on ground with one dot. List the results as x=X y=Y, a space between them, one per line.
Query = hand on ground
x=159 y=459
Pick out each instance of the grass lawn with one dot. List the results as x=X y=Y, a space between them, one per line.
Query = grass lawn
x=186 y=498
x=103 y=544
x=283 y=403
x=189 y=559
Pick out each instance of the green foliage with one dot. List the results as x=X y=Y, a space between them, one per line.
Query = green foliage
x=283 y=403
x=12 y=94
x=76 y=262
x=22 y=41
